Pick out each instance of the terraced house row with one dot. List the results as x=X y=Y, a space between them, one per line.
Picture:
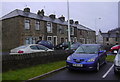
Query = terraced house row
x=21 y=27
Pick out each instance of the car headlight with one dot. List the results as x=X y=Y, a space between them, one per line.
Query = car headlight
x=68 y=58
x=91 y=60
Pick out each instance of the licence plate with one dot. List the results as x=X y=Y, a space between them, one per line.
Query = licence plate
x=78 y=65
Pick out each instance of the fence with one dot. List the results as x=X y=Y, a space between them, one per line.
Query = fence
x=11 y=62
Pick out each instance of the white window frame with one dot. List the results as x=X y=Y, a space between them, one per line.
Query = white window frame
x=49 y=27
x=72 y=30
x=37 y=25
x=75 y=39
x=27 y=41
x=51 y=39
x=27 y=24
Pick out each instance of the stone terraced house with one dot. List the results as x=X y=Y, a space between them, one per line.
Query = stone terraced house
x=21 y=27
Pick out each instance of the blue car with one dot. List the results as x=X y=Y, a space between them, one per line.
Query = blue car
x=87 y=57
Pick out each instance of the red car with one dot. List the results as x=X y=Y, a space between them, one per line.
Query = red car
x=115 y=49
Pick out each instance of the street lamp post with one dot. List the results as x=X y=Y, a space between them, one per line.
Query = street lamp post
x=69 y=39
x=96 y=23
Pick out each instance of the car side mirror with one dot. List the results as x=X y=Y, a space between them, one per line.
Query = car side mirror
x=102 y=51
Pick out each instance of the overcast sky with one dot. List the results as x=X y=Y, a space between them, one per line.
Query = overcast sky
x=95 y=15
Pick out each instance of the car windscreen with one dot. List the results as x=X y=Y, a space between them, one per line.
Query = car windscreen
x=87 y=49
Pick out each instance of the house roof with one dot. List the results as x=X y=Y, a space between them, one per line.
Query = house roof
x=110 y=35
x=114 y=30
x=18 y=12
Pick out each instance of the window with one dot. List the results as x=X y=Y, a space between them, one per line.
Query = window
x=27 y=41
x=37 y=25
x=80 y=32
x=49 y=27
x=116 y=39
x=27 y=24
x=60 y=29
x=34 y=47
x=30 y=40
x=107 y=39
x=49 y=38
x=62 y=40
x=33 y=40
x=72 y=30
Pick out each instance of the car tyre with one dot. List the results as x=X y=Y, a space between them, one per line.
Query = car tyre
x=70 y=69
x=105 y=62
x=97 y=67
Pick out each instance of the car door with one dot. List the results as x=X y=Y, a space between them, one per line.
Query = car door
x=102 y=55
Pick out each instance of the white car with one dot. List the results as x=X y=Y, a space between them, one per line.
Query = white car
x=117 y=63
x=29 y=48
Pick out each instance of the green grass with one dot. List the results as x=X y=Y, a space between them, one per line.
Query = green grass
x=27 y=73
x=0 y=77
x=110 y=58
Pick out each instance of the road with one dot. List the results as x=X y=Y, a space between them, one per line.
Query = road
x=83 y=75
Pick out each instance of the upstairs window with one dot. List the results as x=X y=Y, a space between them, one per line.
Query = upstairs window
x=60 y=29
x=27 y=24
x=72 y=30
x=107 y=39
x=49 y=27
x=37 y=25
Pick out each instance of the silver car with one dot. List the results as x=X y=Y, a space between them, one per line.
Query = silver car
x=117 y=63
x=29 y=48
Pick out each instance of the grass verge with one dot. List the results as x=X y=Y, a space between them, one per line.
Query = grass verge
x=110 y=58
x=27 y=73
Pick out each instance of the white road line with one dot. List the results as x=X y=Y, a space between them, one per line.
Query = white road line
x=108 y=71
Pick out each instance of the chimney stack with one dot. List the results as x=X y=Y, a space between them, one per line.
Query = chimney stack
x=71 y=21
x=27 y=9
x=41 y=13
x=62 y=18
x=76 y=22
x=52 y=16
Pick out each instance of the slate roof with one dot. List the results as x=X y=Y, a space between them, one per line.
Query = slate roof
x=110 y=35
x=18 y=12
x=116 y=29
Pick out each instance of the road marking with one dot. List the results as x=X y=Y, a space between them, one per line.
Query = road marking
x=108 y=71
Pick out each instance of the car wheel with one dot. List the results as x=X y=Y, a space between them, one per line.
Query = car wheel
x=97 y=67
x=105 y=62
x=70 y=69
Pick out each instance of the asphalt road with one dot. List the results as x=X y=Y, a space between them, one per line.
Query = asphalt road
x=85 y=75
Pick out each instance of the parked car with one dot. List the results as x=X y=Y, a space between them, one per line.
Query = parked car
x=46 y=44
x=117 y=63
x=74 y=46
x=29 y=48
x=60 y=46
x=87 y=57
x=115 y=49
